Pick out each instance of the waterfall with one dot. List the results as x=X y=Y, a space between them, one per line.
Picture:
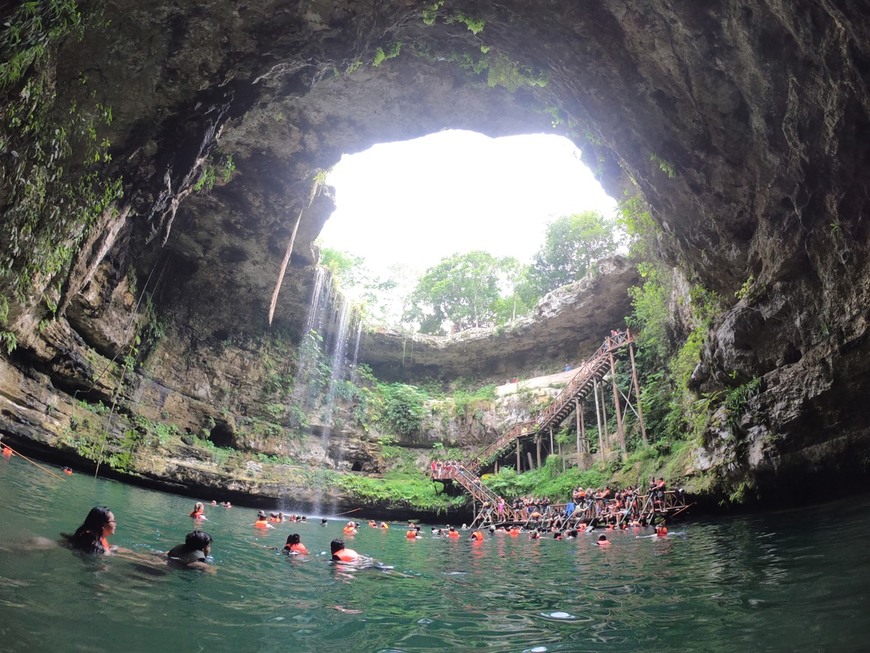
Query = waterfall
x=324 y=350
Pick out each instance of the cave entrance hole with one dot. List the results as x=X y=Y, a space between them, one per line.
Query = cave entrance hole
x=405 y=206
x=221 y=435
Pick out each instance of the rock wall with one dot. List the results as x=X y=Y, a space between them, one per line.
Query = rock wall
x=740 y=123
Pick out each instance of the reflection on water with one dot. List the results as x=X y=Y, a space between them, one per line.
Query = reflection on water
x=789 y=581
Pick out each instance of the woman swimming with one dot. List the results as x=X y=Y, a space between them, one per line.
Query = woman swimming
x=91 y=536
x=294 y=545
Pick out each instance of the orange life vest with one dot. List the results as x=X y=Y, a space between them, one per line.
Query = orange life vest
x=261 y=523
x=346 y=555
x=297 y=548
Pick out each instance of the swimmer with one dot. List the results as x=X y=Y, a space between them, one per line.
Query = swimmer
x=276 y=517
x=602 y=540
x=7 y=452
x=661 y=530
x=384 y=526
x=350 y=528
x=198 y=512
x=262 y=523
x=193 y=554
x=67 y=471
x=452 y=533
x=324 y=521
x=294 y=545
x=477 y=536
x=91 y=536
x=412 y=534
x=340 y=553
x=373 y=523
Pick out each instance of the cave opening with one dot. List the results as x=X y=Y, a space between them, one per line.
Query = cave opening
x=221 y=435
x=404 y=207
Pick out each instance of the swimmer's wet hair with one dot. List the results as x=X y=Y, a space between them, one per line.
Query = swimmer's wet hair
x=197 y=540
x=336 y=545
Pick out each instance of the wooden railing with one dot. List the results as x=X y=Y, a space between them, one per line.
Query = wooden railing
x=591 y=370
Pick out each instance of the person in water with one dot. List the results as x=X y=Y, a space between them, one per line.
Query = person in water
x=262 y=522
x=92 y=536
x=198 y=511
x=602 y=540
x=193 y=553
x=341 y=553
x=294 y=545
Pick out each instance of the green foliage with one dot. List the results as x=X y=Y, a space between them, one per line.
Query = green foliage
x=505 y=72
x=548 y=481
x=572 y=246
x=382 y=55
x=152 y=329
x=403 y=407
x=663 y=165
x=9 y=341
x=475 y=26
x=743 y=291
x=466 y=402
x=737 y=399
x=53 y=179
x=222 y=169
x=430 y=12
x=463 y=291
x=31 y=31
x=409 y=490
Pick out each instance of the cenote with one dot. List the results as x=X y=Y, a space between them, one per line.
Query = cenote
x=781 y=581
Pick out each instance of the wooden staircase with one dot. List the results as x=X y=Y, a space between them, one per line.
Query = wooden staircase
x=581 y=384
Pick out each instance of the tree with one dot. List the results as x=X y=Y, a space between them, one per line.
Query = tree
x=572 y=246
x=462 y=290
x=375 y=295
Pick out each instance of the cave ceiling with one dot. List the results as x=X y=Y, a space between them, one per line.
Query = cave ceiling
x=738 y=122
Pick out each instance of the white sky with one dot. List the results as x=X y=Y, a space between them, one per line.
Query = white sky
x=416 y=202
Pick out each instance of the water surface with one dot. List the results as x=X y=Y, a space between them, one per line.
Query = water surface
x=787 y=581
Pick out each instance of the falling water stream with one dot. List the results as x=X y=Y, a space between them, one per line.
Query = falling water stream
x=330 y=322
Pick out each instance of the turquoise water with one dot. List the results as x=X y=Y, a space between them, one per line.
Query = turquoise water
x=789 y=581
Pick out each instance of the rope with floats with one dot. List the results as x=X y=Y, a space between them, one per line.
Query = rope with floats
x=32 y=462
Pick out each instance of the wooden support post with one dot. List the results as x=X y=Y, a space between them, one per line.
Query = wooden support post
x=578 y=419
x=598 y=420
x=585 y=444
x=637 y=393
x=538 y=449
x=619 y=430
x=531 y=460
x=551 y=440
x=519 y=462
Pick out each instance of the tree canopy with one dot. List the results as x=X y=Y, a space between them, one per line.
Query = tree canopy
x=572 y=246
x=462 y=291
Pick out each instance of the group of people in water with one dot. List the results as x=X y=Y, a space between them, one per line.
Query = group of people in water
x=100 y=524
x=92 y=536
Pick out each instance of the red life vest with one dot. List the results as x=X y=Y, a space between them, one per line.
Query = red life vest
x=346 y=555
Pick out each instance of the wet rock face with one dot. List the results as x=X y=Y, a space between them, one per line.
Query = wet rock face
x=742 y=123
